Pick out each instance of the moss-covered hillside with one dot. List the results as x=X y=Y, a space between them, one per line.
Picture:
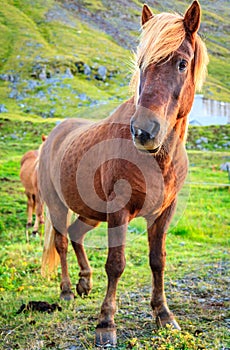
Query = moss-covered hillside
x=59 y=57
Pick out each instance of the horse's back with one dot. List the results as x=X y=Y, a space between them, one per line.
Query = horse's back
x=51 y=156
x=57 y=143
x=29 y=156
x=28 y=170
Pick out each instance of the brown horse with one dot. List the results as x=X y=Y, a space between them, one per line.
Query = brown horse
x=131 y=164
x=28 y=176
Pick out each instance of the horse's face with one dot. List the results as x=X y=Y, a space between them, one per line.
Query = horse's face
x=166 y=91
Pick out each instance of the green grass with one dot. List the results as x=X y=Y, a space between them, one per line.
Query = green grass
x=30 y=43
x=196 y=271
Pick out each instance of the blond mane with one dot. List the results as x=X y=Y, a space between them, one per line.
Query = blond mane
x=161 y=36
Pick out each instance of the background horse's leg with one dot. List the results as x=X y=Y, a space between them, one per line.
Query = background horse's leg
x=115 y=264
x=36 y=225
x=61 y=244
x=157 y=257
x=77 y=232
x=39 y=214
x=30 y=207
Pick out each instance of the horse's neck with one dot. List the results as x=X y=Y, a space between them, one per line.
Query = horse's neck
x=173 y=154
x=123 y=113
x=181 y=129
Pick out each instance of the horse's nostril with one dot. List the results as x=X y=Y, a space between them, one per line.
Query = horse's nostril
x=140 y=134
x=143 y=136
x=136 y=132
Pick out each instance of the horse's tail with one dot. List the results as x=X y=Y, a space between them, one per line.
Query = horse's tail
x=50 y=256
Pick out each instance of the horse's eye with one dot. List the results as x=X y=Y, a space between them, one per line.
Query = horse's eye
x=182 y=66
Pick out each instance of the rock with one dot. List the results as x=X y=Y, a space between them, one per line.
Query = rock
x=93 y=103
x=3 y=109
x=202 y=139
x=82 y=97
x=32 y=84
x=101 y=73
x=42 y=74
x=227 y=144
x=225 y=166
x=13 y=93
x=68 y=73
x=9 y=77
x=41 y=95
x=87 y=69
x=4 y=77
x=51 y=113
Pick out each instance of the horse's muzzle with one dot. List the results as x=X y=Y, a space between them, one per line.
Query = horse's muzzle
x=146 y=140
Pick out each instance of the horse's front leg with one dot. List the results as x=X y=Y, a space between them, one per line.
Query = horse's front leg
x=157 y=258
x=115 y=264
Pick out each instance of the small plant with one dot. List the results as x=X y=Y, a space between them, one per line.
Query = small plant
x=170 y=339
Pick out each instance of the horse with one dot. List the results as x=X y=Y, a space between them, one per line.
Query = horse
x=132 y=163
x=28 y=176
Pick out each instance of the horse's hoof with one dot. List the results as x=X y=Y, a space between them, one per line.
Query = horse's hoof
x=170 y=321
x=34 y=233
x=106 y=337
x=83 y=287
x=175 y=325
x=67 y=295
x=28 y=225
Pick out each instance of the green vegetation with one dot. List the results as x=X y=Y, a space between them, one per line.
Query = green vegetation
x=52 y=38
x=196 y=274
x=32 y=44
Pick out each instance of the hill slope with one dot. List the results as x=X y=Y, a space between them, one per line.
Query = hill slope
x=58 y=57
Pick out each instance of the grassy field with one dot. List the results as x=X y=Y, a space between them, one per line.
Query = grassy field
x=196 y=274
x=53 y=37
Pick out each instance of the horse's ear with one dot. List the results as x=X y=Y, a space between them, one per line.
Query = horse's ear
x=192 y=18
x=146 y=14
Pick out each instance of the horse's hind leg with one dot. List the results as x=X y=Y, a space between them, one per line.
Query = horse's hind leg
x=77 y=233
x=61 y=244
x=58 y=216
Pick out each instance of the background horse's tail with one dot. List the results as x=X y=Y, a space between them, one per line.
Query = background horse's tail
x=50 y=257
